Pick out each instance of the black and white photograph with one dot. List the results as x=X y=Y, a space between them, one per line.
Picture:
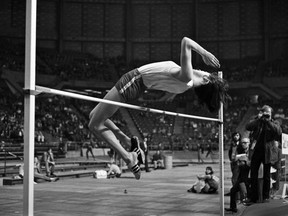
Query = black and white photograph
x=143 y=107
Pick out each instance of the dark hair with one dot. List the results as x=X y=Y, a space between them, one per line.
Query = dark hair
x=234 y=133
x=210 y=168
x=213 y=93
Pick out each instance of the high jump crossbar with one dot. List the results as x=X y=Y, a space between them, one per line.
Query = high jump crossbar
x=41 y=89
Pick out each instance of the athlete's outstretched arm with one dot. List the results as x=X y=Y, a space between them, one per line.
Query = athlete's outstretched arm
x=187 y=45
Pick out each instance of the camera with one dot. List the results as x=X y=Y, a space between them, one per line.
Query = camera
x=265 y=117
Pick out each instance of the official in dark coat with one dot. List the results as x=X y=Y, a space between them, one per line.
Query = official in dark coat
x=264 y=131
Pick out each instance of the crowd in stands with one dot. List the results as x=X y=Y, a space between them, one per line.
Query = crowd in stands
x=83 y=66
x=73 y=65
x=12 y=118
x=66 y=119
x=276 y=68
x=240 y=73
x=11 y=55
x=70 y=65
x=157 y=128
x=77 y=66
x=236 y=71
x=55 y=118
x=59 y=118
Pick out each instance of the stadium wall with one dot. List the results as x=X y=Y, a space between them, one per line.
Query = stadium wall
x=149 y=30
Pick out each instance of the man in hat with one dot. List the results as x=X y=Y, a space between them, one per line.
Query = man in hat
x=263 y=132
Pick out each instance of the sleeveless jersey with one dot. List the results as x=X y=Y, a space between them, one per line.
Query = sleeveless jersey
x=158 y=76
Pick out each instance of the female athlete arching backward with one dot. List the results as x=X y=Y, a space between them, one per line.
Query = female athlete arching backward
x=166 y=76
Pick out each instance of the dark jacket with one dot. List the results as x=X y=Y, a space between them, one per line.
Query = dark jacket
x=234 y=146
x=233 y=149
x=244 y=168
x=276 y=157
x=271 y=131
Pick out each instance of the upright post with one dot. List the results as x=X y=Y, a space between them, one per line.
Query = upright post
x=29 y=108
x=284 y=194
x=5 y=162
x=285 y=152
x=221 y=160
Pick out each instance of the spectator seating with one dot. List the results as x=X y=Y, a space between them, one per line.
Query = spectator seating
x=276 y=68
x=156 y=127
x=14 y=151
x=67 y=119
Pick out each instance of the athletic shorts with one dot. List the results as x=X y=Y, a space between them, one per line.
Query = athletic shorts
x=130 y=85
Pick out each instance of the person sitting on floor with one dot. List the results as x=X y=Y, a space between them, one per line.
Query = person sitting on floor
x=157 y=160
x=37 y=172
x=114 y=171
x=207 y=183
